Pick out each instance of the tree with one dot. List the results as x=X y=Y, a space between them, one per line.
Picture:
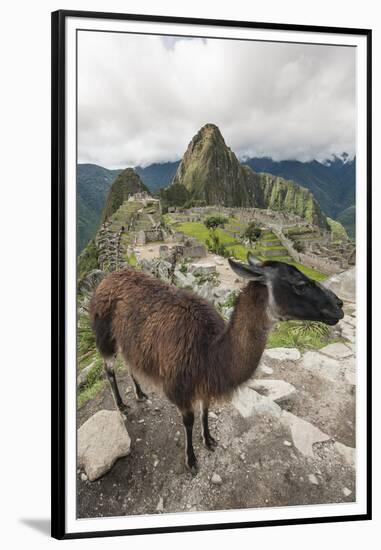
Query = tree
x=252 y=233
x=214 y=244
x=214 y=222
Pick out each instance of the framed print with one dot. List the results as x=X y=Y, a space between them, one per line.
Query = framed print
x=211 y=188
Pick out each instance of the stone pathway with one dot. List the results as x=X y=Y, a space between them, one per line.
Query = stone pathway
x=334 y=363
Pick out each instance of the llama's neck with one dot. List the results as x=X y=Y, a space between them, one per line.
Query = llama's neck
x=235 y=354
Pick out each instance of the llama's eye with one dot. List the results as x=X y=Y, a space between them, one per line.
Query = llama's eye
x=301 y=288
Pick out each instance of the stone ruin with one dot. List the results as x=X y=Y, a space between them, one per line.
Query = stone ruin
x=187 y=248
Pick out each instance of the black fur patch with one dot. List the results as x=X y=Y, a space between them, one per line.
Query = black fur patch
x=103 y=335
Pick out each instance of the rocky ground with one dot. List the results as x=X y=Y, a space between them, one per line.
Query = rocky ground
x=287 y=438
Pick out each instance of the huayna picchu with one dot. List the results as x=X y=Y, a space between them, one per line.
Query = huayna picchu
x=212 y=175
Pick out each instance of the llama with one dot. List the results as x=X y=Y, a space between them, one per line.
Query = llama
x=178 y=341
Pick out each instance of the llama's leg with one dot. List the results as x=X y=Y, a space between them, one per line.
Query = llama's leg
x=109 y=368
x=209 y=441
x=139 y=393
x=190 y=457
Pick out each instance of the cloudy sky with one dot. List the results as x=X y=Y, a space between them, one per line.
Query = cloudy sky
x=142 y=98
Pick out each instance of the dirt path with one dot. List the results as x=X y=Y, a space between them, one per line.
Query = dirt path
x=257 y=460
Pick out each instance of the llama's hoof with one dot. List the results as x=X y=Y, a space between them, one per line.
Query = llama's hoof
x=192 y=466
x=211 y=444
x=141 y=397
x=124 y=408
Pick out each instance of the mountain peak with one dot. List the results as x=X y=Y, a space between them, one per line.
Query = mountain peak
x=207 y=160
x=209 y=128
x=127 y=183
x=209 y=131
x=210 y=173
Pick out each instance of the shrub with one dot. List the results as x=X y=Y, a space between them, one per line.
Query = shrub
x=252 y=233
x=299 y=246
x=215 y=221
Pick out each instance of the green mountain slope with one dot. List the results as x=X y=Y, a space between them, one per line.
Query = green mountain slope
x=348 y=219
x=211 y=172
x=332 y=183
x=125 y=184
x=93 y=184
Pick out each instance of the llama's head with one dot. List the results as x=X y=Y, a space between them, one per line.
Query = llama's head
x=292 y=295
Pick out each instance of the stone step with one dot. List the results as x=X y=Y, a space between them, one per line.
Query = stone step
x=303 y=434
x=324 y=382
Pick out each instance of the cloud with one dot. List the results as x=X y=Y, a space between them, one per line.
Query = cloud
x=142 y=98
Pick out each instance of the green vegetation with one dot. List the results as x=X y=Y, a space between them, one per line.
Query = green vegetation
x=126 y=183
x=200 y=232
x=309 y=271
x=300 y=334
x=88 y=392
x=93 y=184
x=252 y=233
x=174 y=195
x=299 y=246
x=132 y=261
x=87 y=260
x=199 y=176
x=96 y=380
x=238 y=250
x=213 y=222
x=214 y=243
x=348 y=218
x=85 y=340
x=268 y=236
x=337 y=230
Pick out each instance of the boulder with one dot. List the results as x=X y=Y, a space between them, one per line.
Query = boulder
x=202 y=269
x=343 y=284
x=102 y=439
x=183 y=280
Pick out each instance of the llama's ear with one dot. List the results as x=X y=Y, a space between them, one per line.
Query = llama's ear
x=253 y=260
x=255 y=273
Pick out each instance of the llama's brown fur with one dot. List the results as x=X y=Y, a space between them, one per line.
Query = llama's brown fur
x=176 y=338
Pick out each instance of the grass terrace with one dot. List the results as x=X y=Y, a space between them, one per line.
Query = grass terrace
x=237 y=249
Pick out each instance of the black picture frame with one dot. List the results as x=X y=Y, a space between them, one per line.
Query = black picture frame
x=58 y=397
